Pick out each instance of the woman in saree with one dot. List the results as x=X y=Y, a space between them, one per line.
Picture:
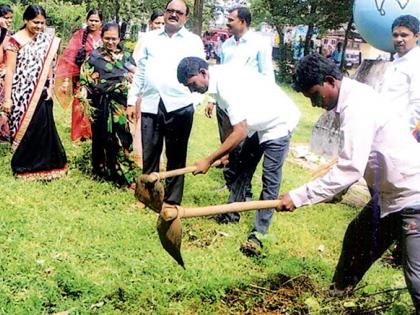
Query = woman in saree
x=78 y=49
x=6 y=18
x=104 y=80
x=31 y=55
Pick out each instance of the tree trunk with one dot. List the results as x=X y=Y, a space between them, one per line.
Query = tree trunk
x=308 y=39
x=346 y=37
x=198 y=17
x=310 y=31
x=117 y=11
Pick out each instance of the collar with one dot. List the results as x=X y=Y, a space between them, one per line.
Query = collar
x=182 y=32
x=214 y=73
x=413 y=53
x=345 y=88
x=244 y=37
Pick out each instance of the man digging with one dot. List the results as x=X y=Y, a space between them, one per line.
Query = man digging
x=262 y=116
x=378 y=146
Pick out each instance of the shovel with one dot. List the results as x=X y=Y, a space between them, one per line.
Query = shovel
x=169 y=221
x=150 y=191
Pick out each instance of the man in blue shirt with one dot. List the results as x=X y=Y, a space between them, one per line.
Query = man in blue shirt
x=337 y=54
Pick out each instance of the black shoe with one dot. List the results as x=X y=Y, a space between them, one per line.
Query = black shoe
x=251 y=248
x=224 y=219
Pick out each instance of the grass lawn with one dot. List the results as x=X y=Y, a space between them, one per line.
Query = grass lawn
x=83 y=246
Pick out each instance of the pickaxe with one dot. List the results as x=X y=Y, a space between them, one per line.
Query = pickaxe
x=169 y=221
x=150 y=191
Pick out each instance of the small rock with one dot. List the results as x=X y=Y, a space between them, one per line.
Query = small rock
x=97 y=305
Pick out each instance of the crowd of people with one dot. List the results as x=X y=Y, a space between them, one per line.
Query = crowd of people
x=137 y=105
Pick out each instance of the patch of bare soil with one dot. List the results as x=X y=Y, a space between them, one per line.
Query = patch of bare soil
x=285 y=295
x=279 y=295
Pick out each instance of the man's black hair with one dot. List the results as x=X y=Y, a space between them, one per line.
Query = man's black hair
x=312 y=70
x=243 y=14
x=186 y=6
x=189 y=67
x=408 y=21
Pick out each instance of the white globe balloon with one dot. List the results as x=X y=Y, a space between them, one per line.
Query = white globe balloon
x=373 y=19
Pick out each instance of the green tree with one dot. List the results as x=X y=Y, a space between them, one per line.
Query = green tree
x=322 y=14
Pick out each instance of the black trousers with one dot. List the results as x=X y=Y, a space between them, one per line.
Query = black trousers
x=230 y=170
x=366 y=239
x=174 y=128
x=368 y=236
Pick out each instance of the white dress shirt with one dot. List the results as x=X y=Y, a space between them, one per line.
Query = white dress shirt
x=377 y=146
x=249 y=96
x=252 y=50
x=402 y=85
x=156 y=76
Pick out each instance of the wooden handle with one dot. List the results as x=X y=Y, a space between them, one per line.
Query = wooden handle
x=171 y=212
x=323 y=169
x=181 y=171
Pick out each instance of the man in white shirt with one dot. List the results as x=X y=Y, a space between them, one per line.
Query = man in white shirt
x=402 y=82
x=402 y=79
x=265 y=129
x=166 y=105
x=244 y=49
x=376 y=146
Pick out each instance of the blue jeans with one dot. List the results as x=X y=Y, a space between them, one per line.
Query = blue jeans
x=275 y=152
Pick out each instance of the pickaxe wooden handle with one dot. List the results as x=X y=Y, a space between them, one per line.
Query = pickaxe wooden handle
x=171 y=212
x=324 y=168
x=180 y=171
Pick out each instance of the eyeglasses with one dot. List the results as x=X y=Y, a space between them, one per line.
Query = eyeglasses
x=172 y=11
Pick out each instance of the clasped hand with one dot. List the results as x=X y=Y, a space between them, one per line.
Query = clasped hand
x=286 y=203
x=202 y=167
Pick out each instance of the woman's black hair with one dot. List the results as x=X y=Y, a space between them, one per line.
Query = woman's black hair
x=32 y=11
x=85 y=36
x=155 y=14
x=4 y=9
x=96 y=12
x=110 y=25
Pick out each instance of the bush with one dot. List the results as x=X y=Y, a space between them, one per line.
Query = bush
x=129 y=45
